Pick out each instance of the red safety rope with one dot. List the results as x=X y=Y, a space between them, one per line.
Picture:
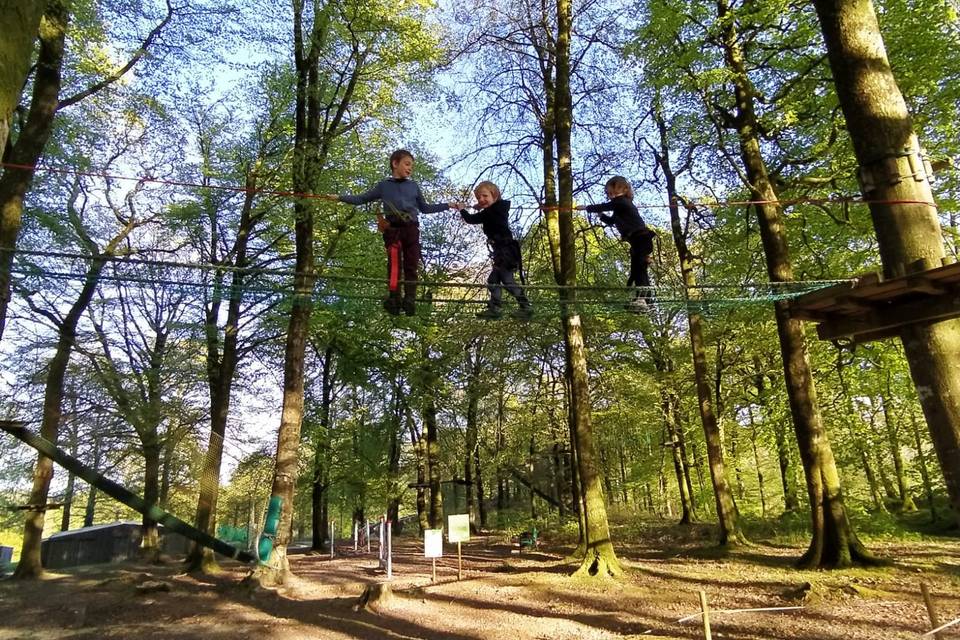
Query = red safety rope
x=296 y=194
x=393 y=257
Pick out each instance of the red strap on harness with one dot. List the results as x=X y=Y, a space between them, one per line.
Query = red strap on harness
x=393 y=257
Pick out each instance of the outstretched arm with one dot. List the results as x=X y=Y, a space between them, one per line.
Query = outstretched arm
x=471 y=218
x=376 y=193
x=432 y=208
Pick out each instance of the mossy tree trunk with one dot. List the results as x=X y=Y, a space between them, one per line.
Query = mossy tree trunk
x=319 y=119
x=32 y=138
x=901 y=207
x=834 y=542
x=21 y=22
x=600 y=558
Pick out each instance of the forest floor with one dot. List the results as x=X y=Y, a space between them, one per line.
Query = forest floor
x=504 y=594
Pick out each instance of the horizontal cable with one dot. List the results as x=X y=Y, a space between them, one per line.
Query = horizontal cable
x=306 y=195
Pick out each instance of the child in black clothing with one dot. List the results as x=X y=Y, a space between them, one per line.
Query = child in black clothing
x=634 y=231
x=504 y=250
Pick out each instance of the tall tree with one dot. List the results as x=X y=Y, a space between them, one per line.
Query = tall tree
x=600 y=558
x=30 y=565
x=230 y=251
x=32 y=138
x=16 y=177
x=834 y=542
x=896 y=183
x=727 y=513
x=349 y=59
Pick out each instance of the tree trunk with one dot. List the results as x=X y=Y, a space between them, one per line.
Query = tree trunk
x=432 y=448
x=166 y=462
x=21 y=19
x=91 y=507
x=784 y=460
x=393 y=462
x=70 y=490
x=908 y=233
x=30 y=563
x=150 y=536
x=924 y=472
x=310 y=152
x=893 y=440
x=756 y=463
x=875 y=494
x=478 y=482
x=601 y=558
x=15 y=182
x=834 y=542
x=322 y=438
x=419 y=449
x=683 y=489
x=473 y=402
x=681 y=443
x=221 y=369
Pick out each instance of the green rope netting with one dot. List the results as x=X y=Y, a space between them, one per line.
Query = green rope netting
x=356 y=294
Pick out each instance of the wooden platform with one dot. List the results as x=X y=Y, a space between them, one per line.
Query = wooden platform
x=872 y=308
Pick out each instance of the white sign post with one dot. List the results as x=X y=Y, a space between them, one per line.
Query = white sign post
x=380 y=560
x=389 y=550
x=458 y=530
x=433 y=547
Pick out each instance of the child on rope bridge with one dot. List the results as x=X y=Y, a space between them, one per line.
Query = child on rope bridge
x=402 y=202
x=634 y=231
x=504 y=250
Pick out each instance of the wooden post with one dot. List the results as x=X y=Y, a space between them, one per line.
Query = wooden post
x=459 y=562
x=931 y=611
x=433 y=562
x=356 y=533
x=366 y=524
x=331 y=539
x=705 y=609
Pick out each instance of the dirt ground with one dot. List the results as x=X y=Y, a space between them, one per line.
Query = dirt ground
x=503 y=594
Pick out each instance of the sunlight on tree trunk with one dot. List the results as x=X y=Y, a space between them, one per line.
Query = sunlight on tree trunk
x=834 y=542
x=21 y=23
x=894 y=178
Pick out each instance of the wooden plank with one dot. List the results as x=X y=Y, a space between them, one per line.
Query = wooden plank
x=820 y=295
x=892 y=317
x=853 y=305
x=929 y=286
x=809 y=315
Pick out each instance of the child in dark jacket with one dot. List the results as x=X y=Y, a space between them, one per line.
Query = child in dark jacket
x=634 y=231
x=504 y=250
x=402 y=201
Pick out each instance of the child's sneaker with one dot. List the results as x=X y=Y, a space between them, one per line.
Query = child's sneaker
x=392 y=306
x=523 y=313
x=409 y=306
x=490 y=313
